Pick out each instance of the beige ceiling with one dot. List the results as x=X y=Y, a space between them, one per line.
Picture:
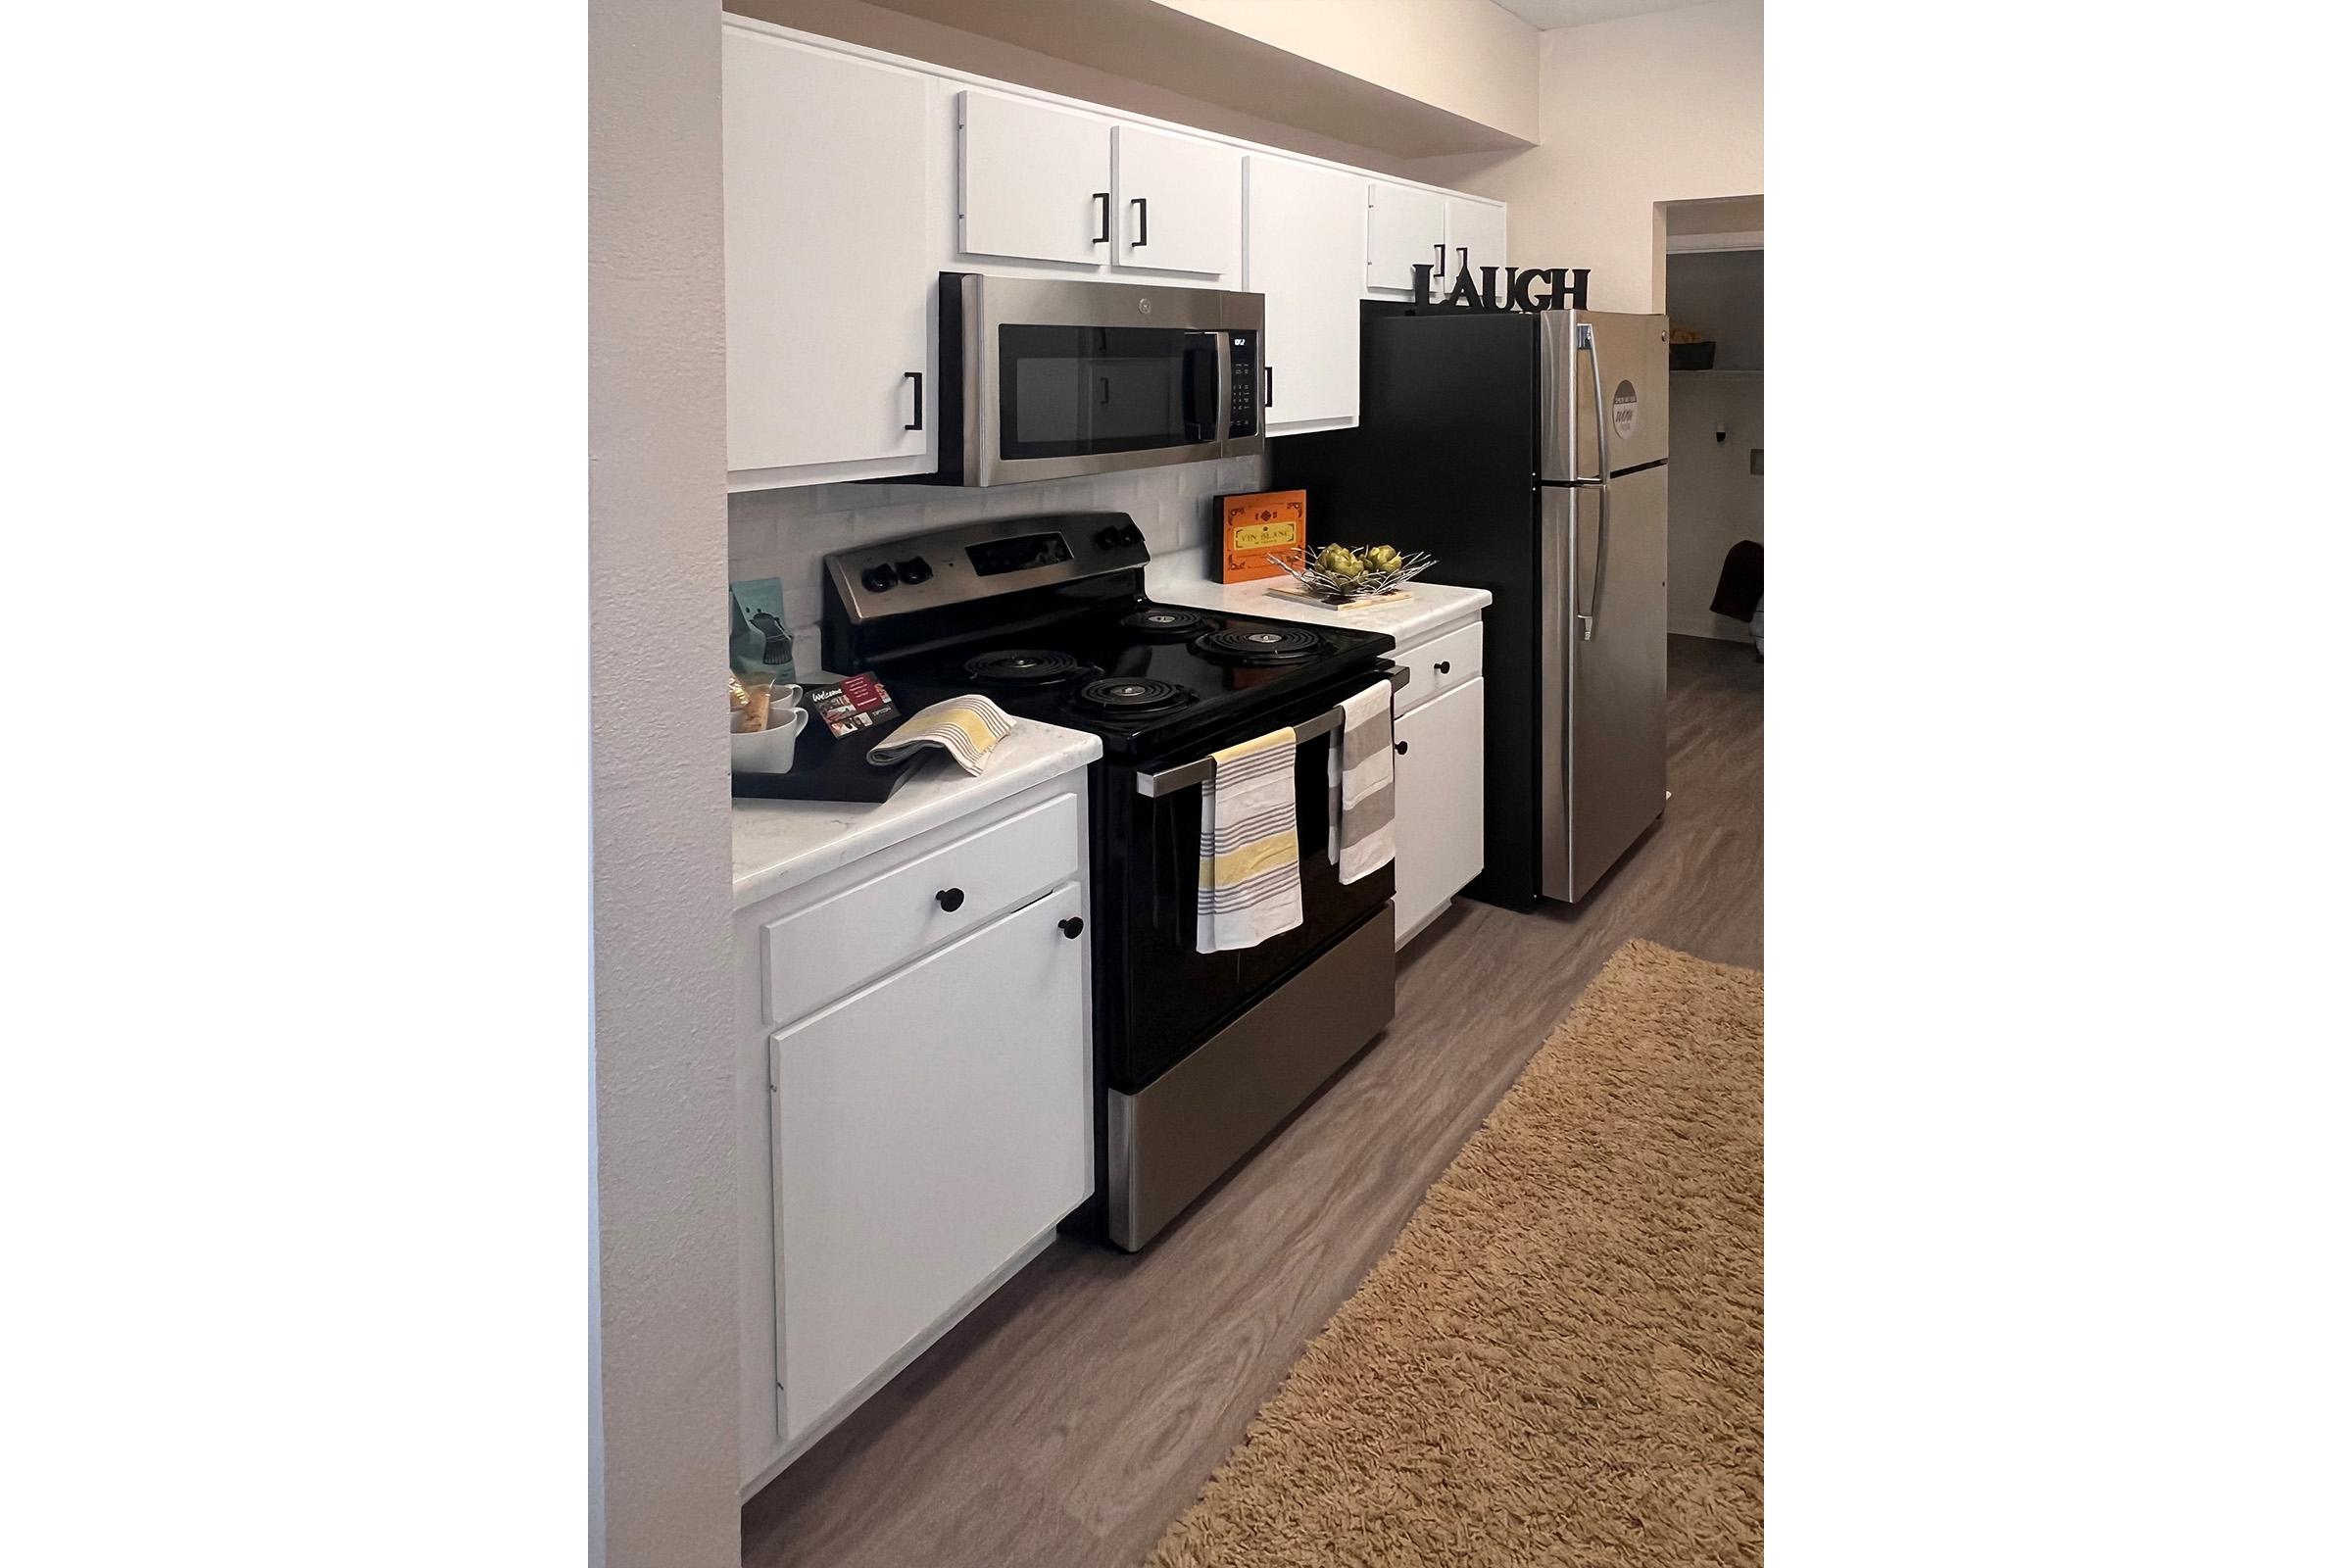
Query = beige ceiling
x=1550 y=13
x=1162 y=47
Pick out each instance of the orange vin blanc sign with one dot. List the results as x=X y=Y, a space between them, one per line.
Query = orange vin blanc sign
x=1257 y=526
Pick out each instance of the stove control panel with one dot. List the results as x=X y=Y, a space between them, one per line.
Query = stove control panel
x=993 y=557
x=973 y=562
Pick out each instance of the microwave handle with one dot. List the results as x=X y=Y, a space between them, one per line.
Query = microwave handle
x=1206 y=370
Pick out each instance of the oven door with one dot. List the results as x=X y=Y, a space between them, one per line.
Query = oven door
x=1073 y=378
x=1166 y=995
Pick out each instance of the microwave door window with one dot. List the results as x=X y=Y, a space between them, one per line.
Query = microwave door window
x=1074 y=391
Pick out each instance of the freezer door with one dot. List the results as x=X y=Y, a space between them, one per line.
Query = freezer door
x=1604 y=714
x=1626 y=367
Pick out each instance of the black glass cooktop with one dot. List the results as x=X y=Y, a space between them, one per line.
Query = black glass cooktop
x=1143 y=676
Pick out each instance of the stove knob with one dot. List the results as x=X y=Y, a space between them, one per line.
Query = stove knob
x=1131 y=535
x=878 y=579
x=1111 y=538
x=915 y=569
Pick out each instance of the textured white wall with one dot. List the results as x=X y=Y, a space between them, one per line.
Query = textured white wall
x=664 y=1058
x=1660 y=108
x=786 y=533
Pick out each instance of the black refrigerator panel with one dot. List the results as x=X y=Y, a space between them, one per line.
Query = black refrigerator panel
x=1443 y=460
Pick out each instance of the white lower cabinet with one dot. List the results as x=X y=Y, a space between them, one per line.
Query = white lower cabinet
x=1441 y=801
x=925 y=1130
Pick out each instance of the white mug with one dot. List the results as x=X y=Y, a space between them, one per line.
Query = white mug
x=770 y=750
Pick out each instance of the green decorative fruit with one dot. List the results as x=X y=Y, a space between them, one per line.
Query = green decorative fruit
x=1340 y=562
x=1384 y=557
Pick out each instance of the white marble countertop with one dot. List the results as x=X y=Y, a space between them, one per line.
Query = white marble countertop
x=1434 y=606
x=782 y=844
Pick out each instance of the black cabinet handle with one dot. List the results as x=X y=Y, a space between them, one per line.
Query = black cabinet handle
x=1463 y=251
x=1072 y=926
x=1103 y=233
x=1444 y=666
x=1269 y=386
x=1143 y=223
x=916 y=376
x=1403 y=747
x=1440 y=268
x=950 y=899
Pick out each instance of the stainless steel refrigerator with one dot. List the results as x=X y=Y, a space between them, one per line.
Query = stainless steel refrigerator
x=1527 y=452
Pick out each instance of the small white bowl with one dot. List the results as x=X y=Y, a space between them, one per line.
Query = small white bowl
x=770 y=750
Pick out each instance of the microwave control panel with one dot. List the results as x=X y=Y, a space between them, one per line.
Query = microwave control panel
x=1242 y=418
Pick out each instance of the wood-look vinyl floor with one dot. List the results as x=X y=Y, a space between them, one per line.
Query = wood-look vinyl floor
x=1078 y=1411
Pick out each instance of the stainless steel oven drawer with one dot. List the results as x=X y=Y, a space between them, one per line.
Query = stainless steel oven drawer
x=1170 y=1141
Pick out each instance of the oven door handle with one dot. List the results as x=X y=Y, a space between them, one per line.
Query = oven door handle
x=1151 y=786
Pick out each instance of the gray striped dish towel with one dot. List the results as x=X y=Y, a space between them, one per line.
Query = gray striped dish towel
x=1249 y=844
x=1363 y=785
x=967 y=728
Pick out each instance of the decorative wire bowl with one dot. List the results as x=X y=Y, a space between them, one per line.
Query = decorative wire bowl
x=1369 y=583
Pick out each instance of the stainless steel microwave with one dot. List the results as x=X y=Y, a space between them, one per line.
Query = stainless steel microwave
x=1043 y=379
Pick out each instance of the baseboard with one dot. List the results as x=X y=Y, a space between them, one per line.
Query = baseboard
x=1701 y=623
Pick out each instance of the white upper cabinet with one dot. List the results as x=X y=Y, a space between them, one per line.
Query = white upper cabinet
x=824 y=178
x=843 y=164
x=1034 y=181
x=1303 y=250
x=1475 y=235
x=1406 y=229
x=1180 y=203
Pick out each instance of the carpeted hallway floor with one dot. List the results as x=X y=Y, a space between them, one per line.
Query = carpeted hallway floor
x=1562 y=1360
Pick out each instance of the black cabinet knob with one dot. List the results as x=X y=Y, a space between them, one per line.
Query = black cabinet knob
x=1444 y=666
x=1403 y=747
x=1072 y=926
x=950 y=899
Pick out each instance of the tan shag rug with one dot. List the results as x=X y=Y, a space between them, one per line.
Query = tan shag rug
x=1561 y=1360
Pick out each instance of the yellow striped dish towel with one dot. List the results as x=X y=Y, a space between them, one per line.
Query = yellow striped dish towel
x=967 y=728
x=1250 y=845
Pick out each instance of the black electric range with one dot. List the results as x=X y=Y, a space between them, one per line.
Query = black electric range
x=1199 y=1055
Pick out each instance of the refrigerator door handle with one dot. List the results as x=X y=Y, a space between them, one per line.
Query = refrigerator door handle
x=1601 y=435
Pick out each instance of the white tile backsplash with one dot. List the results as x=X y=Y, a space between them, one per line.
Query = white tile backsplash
x=787 y=533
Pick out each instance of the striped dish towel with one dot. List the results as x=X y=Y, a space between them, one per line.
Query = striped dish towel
x=1363 y=785
x=1250 y=845
x=967 y=728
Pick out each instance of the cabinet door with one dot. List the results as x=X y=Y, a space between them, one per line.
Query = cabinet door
x=1441 y=801
x=1302 y=249
x=925 y=1128
x=824 y=178
x=1478 y=228
x=1180 y=203
x=1035 y=181
x=1406 y=230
